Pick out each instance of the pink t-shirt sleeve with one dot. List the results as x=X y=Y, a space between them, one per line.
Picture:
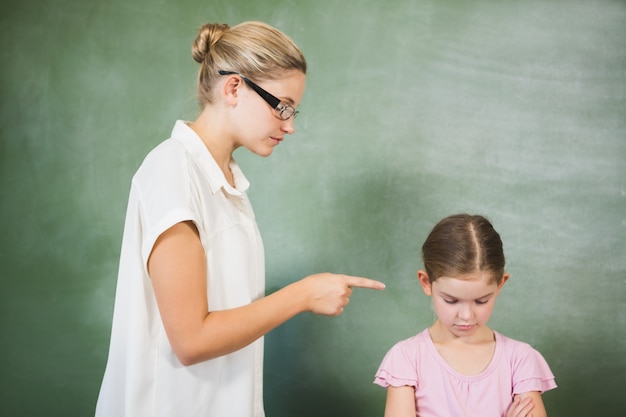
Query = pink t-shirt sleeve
x=399 y=366
x=530 y=371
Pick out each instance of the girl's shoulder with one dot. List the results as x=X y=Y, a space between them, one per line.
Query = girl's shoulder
x=509 y=342
x=411 y=347
x=530 y=370
x=518 y=353
x=512 y=345
x=401 y=364
x=415 y=341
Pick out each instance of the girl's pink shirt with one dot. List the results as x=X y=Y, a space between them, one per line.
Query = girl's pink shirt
x=441 y=391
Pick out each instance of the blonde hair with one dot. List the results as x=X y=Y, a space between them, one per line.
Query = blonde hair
x=254 y=49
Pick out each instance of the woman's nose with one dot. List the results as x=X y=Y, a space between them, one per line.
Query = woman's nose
x=288 y=126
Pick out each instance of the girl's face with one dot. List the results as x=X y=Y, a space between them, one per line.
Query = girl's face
x=260 y=128
x=463 y=304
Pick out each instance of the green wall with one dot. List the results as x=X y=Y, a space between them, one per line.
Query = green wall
x=414 y=110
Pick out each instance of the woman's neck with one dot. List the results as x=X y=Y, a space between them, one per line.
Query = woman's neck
x=217 y=141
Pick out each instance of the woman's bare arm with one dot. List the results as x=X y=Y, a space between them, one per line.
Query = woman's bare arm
x=177 y=268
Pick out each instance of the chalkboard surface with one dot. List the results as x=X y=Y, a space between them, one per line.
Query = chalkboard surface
x=414 y=110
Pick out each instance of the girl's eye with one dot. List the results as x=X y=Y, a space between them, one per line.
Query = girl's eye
x=481 y=302
x=450 y=301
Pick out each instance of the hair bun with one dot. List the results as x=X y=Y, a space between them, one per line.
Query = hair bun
x=208 y=35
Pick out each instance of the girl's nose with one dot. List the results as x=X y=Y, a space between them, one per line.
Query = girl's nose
x=466 y=312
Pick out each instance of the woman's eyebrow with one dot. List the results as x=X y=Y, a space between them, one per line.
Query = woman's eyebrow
x=287 y=100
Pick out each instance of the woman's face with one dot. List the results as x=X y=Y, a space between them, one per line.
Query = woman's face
x=260 y=127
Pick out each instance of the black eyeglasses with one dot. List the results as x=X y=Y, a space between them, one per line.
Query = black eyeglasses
x=283 y=110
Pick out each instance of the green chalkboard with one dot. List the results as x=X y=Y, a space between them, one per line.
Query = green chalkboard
x=414 y=110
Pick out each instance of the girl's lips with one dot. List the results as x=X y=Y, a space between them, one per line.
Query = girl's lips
x=465 y=327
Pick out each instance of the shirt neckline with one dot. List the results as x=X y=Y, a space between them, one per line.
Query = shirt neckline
x=493 y=363
x=200 y=154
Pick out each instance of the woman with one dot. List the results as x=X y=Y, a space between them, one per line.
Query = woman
x=190 y=311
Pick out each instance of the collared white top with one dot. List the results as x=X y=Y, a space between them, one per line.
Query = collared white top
x=180 y=181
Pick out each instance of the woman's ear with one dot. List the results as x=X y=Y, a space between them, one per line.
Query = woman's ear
x=230 y=89
x=424 y=280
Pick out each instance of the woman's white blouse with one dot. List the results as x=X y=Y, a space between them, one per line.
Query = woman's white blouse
x=180 y=181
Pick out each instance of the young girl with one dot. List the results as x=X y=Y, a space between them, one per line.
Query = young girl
x=459 y=367
x=190 y=310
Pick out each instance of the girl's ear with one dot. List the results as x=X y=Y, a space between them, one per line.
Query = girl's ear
x=424 y=280
x=505 y=278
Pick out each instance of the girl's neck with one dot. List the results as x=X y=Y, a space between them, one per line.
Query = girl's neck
x=469 y=355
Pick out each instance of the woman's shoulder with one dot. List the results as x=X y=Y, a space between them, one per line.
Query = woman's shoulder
x=164 y=171
x=168 y=150
x=171 y=150
x=165 y=159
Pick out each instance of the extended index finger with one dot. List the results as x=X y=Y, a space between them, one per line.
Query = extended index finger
x=361 y=282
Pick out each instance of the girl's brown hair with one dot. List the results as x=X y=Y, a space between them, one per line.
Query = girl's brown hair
x=254 y=49
x=462 y=244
